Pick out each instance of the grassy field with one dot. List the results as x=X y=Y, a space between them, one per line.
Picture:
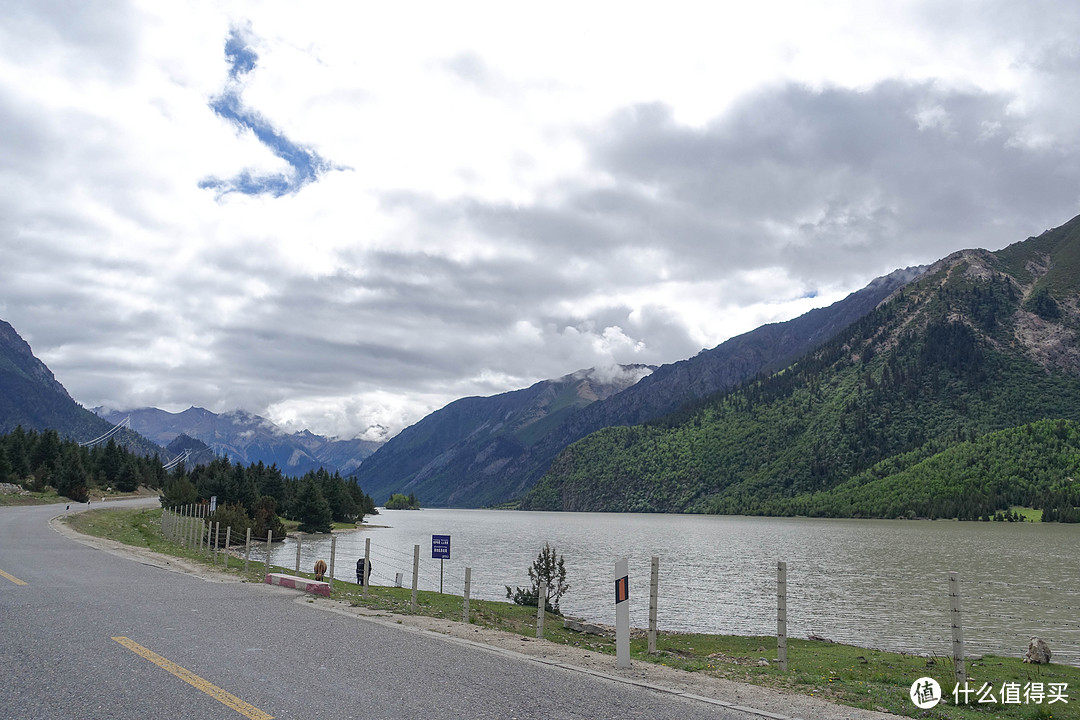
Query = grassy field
x=845 y=674
x=1028 y=514
x=34 y=498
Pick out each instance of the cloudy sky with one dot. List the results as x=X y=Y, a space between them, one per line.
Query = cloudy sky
x=345 y=215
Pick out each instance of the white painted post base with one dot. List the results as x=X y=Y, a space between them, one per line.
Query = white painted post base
x=622 y=618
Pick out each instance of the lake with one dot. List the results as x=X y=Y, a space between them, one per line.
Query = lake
x=873 y=583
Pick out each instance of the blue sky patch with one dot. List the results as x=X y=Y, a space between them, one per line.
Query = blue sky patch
x=306 y=164
x=239 y=54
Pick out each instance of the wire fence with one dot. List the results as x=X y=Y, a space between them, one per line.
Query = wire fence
x=878 y=610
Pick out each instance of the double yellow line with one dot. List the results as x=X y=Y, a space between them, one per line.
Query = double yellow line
x=223 y=697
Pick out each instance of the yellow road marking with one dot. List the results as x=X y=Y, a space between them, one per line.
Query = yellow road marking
x=223 y=697
x=12 y=578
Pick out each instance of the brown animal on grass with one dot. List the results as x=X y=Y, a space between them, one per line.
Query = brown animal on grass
x=320 y=569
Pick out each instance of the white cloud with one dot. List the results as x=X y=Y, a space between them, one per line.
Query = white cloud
x=513 y=195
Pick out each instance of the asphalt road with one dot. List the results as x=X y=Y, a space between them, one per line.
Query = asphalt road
x=87 y=634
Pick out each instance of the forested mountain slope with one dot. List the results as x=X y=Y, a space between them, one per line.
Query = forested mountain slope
x=980 y=343
x=444 y=462
x=31 y=397
x=459 y=455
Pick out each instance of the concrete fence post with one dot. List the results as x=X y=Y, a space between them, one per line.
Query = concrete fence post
x=541 y=603
x=468 y=589
x=333 y=553
x=781 y=614
x=298 y=553
x=217 y=539
x=654 y=595
x=269 y=539
x=365 y=581
x=247 y=550
x=959 y=668
x=415 y=573
x=228 y=543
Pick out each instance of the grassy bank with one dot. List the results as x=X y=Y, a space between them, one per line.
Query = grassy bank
x=845 y=674
x=48 y=497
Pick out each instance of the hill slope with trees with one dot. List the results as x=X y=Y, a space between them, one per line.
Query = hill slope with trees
x=460 y=455
x=478 y=451
x=982 y=342
x=32 y=398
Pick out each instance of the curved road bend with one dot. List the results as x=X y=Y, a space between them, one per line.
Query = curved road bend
x=87 y=634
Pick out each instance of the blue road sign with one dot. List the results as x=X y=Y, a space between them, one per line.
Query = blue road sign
x=440 y=547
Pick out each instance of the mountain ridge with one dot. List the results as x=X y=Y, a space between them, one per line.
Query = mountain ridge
x=455 y=454
x=32 y=397
x=247 y=438
x=403 y=465
x=982 y=341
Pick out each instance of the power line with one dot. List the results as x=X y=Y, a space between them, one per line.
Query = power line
x=125 y=423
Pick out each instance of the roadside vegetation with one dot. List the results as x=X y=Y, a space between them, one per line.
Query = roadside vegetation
x=400 y=501
x=854 y=676
x=52 y=469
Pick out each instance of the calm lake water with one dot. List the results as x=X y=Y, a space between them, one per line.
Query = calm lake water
x=873 y=583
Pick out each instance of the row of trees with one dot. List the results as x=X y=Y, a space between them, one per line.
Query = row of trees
x=35 y=460
x=258 y=493
x=401 y=501
x=248 y=496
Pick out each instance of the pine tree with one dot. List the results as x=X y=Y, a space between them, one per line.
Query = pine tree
x=311 y=508
x=71 y=478
x=548 y=575
x=5 y=465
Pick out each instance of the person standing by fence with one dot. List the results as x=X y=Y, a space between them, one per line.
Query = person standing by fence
x=363 y=572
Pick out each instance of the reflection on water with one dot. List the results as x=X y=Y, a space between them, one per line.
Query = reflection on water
x=875 y=583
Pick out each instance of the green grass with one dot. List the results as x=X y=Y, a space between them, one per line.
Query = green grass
x=294 y=525
x=35 y=498
x=845 y=674
x=1028 y=514
x=139 y=528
